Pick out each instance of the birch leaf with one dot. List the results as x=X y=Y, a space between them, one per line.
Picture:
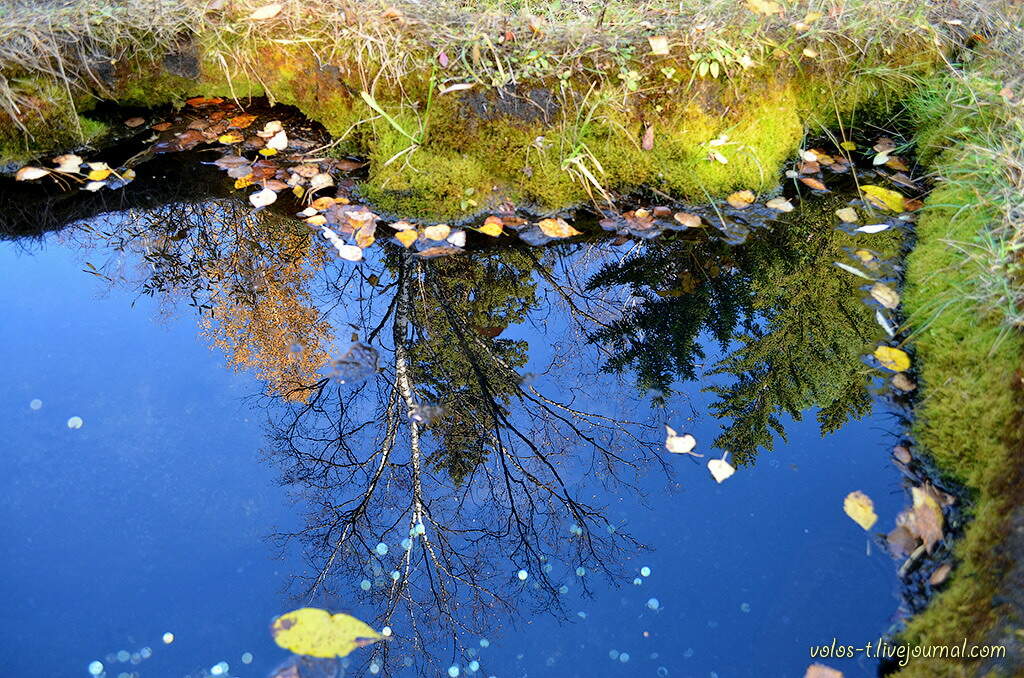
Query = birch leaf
x=852 y=269
x=720 y=469
x=892 y=358
x=659 y=44
x=557 y=228
x=861 y=509
x=68 y=163
x=437 y=232
x=317 y=633
x=741 y=199
x=883 y=197
x=262 y=198
x=885 y=295
x=407 y=238
x=30 y=173
x=492 y=226
x=780 y=205
x=872 y=228
x=847 y=214
x=680 y=444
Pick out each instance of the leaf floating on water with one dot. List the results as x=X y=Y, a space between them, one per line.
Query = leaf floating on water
x=317 y=633
x=872 y=228
x=439 y=251
x=98 y=174
x=688 y=220
x=847 y=214
x=407 y=238
x=884 y=323
x=924 y=519
x=262 y=198
x=853 y=269
x=741 y=199
x=780 y=205
x=457 y=238
x=266 y=12
x=903 y=382
x=203 y=101
x=822 y=671
x=29 y=173
x=885 y=295
x=940 y=574
x=814 y=183
x=892 y=358
x=493 y=226
x=861 y=509
x=721 y=469
x=557 y=228
x=93 y=186
x=883 y=197
x=241 y=121
x=680 y=444
x=348 y=252
x=68 y=163
x=437 y=232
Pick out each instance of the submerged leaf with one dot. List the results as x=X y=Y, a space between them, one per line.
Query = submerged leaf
x=317 y=633
x=861 y=509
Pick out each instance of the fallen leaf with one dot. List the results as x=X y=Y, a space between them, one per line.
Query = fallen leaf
x=492 y=226
x=901 y=541
x=161 y=126
x=402 y=226
x=902 y=453
x=266 y=12
x=457 y=238
x=241 y=121
x=407 y=238
x=688 y=220
x=458 y=87
x=68 y=163
x=892 y=358
x=647 y=143
x=872 y=228
x=810 y=53
x=557 y=228
x=203 y=101
x=680 y=444
x=822 y=671
x=322 y=180
x=903 y=382
x=741 y=199
x=940 y=574
x=317 y=633
x=883 y=197
x=885 y=295
x=323 y=203
x=262 y=198
x=852 y=269
x=764 y=6
x=861 y=509
x=720 y=468
x=813 y=183
x=98 y=174
x=924 y=519
x=135 y=122
x=316 y=220
x=270 y=129
x=780 y=204
x=437 y=232
x=439 y=251
x=659 y=44
x=231 y=138
x=247 y=180
x=848 y=146
x=847 y=214
x=278 y=142
x=93 y=186
x=29 y=173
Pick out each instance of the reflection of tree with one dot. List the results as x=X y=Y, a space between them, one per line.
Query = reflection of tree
x=496 y=486
x=799 y=321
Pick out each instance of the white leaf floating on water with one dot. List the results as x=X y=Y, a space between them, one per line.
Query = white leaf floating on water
x=720 y=468
x=872 y=228
x=94 y=186
x=852 y=269
x=68 y=163
x=278 y=142
x=680 y=444
x=457 y=238
x=30 y=173
x=347 y=252
x=262 y=198
x=780 y=204
x=320 y=180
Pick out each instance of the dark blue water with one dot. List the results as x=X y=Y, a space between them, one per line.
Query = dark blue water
x=165 y=512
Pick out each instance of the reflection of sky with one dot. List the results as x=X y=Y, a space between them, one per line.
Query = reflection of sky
x=151 y=517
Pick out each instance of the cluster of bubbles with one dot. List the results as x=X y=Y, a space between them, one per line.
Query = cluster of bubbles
x=455 y=670
x=99 y=669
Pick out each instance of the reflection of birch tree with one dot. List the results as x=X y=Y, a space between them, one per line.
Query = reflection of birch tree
x=376 y=462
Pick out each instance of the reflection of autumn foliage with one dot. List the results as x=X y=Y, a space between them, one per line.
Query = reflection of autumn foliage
x=262 y=314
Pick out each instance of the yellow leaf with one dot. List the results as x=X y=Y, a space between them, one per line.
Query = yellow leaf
x=242 y=182
x=847 y=214
x=848 y=146
x=299 y=191
x=317 y=633
x=892 y=358
x=231 y=138
x=407 y=238
x=741 y=199
x=322 y=203
x=885 y=295
x=557 y=228
x=268 y=151
x=98 y=174
x=861 y=509
x=317 y=220
x=764 y=6
x=492 y=227
x=883 y=197
x=437 y=232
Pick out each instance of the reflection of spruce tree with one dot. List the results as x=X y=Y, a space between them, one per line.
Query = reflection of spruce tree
x=813 y=328
x=678 y=290
x=460 y=307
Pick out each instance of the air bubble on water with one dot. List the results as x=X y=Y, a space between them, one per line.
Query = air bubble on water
x=395 y=575
x=580 y=571
x=386 y=631
x=563 y=589
x=484 y=642
x=168 y=638
x=136 y=658
x=219 y=669
x=688 y=653
x=624 y=657
x=453 y=671
x=407 y=543
x=96 y=668
x=548 y=567
x=365 y=585
x=522 y=574
x=374 y=668
x=36 y=403
x=638 y=581
x=123 y=655
x=247 y=657
x=662 y=672
x=653 y=603
x=613 y=654
x=358 y=363
x=382 y=549
x=581 y=614
x=474 y=665
x=611 y=529
x=745 y=607
x=645 y=571
x=75 y=423
x=146 y=652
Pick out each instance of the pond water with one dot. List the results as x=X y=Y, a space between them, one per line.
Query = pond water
x=210 y=419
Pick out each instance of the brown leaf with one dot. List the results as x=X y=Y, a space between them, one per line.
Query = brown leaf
x=741 y=199
x=809 y=167
x=688 y=220
x=902 y=454
x=904 y=383
x=940 y=574
x=161 y=126
x=135 y=122
x=901 y=541
x=813 y=183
